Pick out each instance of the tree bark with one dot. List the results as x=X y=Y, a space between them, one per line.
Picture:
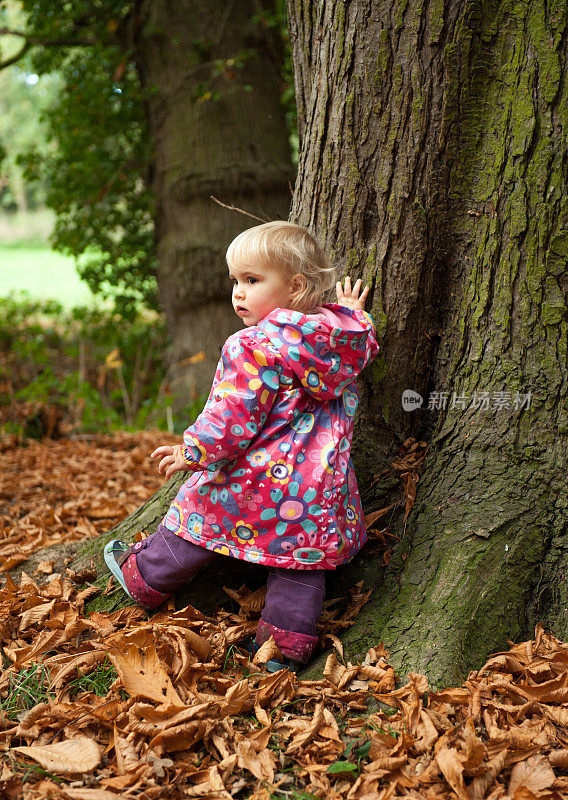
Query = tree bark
x=218 y=129
x=433 y=163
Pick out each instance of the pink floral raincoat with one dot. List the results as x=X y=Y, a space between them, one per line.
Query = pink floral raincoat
x=273 y=481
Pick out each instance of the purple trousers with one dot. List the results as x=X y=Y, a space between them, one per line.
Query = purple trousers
x=155 y=567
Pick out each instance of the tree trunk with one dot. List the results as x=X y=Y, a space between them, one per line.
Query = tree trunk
x=218 y=129
x=433 y=163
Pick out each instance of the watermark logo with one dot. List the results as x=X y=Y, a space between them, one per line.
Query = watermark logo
x=411 y=400
x=500 y=400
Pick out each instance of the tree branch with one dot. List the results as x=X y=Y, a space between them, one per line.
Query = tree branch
x=31 y=41
x=240 y=210
x=12 y=60
x=9 y=32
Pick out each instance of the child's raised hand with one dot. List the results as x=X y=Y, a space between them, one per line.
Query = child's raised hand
x=349 y=297
x=172 y=459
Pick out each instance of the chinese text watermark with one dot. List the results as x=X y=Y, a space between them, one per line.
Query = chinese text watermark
x=498 y=400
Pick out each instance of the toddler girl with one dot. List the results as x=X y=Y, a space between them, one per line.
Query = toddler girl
x=271 y=479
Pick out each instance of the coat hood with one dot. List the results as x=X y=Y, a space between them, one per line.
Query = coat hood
x=326 y=350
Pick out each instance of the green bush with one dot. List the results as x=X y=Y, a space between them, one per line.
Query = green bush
x=88 y=369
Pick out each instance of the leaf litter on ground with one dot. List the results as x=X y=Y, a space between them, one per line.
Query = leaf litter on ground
x=188 y=714
x=65 y=490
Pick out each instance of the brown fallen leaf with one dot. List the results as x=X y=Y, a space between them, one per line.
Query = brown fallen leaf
x=239 y=698
x=45 y=567
x=77 y=755
x=88 y=794
x=426 y=734
x=250 y=602
x=375 y=515
x=139 y=668
x=533 y=774
x=260 y=764
x=559 y=758
x=36 y=614
x=213 y=788
x=267 y=651
x=302 y=739
x=475 y=750
x=451 y=765
x=12 y=562
x=479 y=785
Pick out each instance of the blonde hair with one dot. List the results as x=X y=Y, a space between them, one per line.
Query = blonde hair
x=292 y=249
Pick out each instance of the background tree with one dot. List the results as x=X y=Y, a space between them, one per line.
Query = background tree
x=212 y=73
x=23 y=100
x=121 y=167
x=18 y=90
x=96 y=169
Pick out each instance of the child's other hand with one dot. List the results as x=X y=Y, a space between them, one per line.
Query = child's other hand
x=349 y=297
x=172 y=459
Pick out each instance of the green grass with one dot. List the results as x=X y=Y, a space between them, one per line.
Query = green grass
x=26 y=689
x=43 y=273
x=98 y=681
x=31 y=686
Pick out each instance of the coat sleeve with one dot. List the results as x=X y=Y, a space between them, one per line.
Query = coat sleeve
x=368 y=324
x=237 y=408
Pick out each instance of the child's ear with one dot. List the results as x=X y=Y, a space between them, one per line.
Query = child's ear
x=298 y=284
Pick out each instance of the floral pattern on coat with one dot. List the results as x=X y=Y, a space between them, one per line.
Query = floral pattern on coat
x=273 y=479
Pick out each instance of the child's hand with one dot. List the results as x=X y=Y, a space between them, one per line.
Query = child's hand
x=172 y=459
x=350 y=296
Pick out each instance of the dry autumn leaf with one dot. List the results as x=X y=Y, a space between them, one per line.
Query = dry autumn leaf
x=533 y=774
x=451 y=765
x=89 y=794
x=260 y=764
x=77 y=755
x=267 y=651
x=139 y=667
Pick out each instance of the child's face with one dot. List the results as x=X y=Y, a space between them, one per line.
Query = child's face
x=257 y=290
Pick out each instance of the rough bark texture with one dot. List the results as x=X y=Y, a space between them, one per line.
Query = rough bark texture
x=433 y=163
x=235 y=148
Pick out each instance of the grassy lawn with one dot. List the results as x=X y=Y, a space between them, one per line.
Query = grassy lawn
x=43 y=273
